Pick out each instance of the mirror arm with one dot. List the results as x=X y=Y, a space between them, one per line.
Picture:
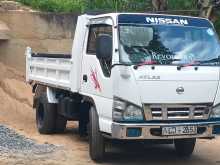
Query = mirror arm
x=108 y=68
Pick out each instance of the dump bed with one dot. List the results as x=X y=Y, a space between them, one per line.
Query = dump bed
x=59 y=70
x=49 y=69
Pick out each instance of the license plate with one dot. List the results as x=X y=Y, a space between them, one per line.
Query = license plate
x=179 y=130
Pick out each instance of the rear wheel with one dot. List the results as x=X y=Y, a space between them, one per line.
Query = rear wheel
x=185 y=147
x=96 y=140
x=47 y=118
x=45 y=115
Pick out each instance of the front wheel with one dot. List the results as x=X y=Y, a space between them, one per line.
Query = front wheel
x=185 y=147
x=96 y=139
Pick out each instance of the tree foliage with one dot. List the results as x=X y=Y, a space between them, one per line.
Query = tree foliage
x=56 y=5
x=88 y=5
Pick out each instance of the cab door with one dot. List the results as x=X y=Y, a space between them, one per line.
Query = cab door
x=96 y=74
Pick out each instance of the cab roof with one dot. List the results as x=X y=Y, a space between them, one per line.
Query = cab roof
x=154 y=18
x=98 y=15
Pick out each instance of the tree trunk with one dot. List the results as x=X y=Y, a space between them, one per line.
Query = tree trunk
x=159 y=5
x=205 y=7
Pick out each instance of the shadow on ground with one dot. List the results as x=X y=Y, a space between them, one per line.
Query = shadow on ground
x=141 y=153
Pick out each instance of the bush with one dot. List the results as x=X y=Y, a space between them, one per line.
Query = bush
x=182 y=5
x=217 y=26
x=119 y=5
x=55 y=5
x=82 y=5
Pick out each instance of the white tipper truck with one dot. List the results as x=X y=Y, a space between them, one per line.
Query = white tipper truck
x=132 y=76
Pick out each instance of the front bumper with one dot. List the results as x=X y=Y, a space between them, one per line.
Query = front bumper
x=152 y=130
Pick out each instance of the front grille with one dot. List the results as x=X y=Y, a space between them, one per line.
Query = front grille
x=176 y=112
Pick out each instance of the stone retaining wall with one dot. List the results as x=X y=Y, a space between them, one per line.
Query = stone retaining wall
x=44 y=32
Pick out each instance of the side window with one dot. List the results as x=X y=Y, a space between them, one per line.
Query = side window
x=94 y=32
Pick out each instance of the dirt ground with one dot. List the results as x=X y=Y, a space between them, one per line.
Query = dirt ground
x=16 y=112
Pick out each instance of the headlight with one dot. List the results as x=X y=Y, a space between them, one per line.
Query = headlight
x=215 y=112
x=132 y=113
x=124 y=111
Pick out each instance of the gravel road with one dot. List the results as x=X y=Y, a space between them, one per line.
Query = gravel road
x=13 y=143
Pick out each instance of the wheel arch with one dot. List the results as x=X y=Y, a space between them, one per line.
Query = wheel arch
x=89 y=102
x=103 y=107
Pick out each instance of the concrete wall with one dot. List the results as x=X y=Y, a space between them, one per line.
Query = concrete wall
x=44 y=32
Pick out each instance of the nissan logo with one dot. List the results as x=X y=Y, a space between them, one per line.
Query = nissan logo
x=180 y=90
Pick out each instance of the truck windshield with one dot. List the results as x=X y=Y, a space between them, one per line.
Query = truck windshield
x=167 y=45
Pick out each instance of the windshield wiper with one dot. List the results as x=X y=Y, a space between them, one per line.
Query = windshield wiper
x=151 y=63
x=211 y=61
x=195 y=63
x=144 y=63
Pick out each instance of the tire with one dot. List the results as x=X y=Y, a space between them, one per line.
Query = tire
x=45 y=116
x=96 y=140
x=185 y=147
x=60 y=124
x=84 y=119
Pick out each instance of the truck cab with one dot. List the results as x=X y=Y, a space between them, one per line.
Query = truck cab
x=134 y=77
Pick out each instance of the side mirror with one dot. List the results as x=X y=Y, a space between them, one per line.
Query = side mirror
x=104 y=47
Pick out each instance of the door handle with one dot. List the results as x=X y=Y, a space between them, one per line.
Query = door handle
x=85 y=78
